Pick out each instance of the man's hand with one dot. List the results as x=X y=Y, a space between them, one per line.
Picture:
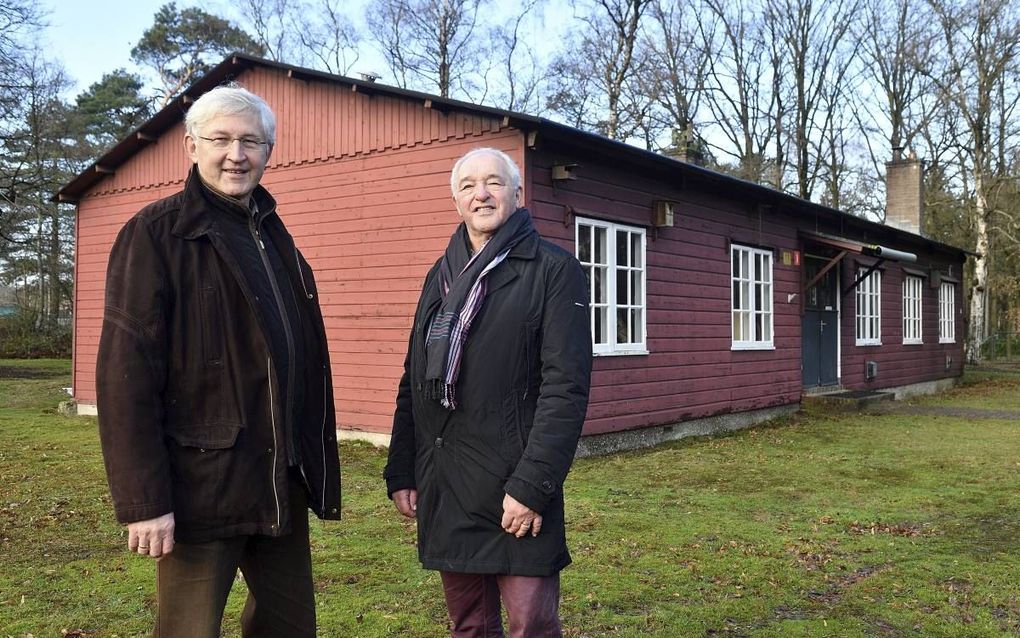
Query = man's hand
x=519 y=519
x=406 y=502
x=154 y=537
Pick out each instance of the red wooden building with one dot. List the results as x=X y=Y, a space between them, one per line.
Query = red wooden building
x=716 y=302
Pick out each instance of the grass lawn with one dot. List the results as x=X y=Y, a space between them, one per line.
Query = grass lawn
x=823 y=525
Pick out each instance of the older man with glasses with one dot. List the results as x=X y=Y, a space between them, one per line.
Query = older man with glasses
x=215 y=401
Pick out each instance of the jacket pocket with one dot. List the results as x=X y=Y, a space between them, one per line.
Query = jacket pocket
x=212 y=326
x=209 y=437
x=199 y=460
x=513 y=428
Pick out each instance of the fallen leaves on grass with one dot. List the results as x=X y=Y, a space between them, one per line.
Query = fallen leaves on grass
x=908 y=530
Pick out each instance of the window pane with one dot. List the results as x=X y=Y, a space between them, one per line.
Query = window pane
x=600 y=286
x=636 y=324
x=737 y=301
x=584 y=243
x=622 y=326
x=600 y=246
x=622 y=254
x=622 y=287
x=635 y=287
x=637 y=255
x=600 y=326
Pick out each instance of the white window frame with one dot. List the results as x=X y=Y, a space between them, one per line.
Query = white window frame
x=636 y=305
x=755 y=313
x=913 y=310
x=947 y=312
x=868 y=310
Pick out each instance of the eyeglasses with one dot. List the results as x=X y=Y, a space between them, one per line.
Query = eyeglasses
x=247 y=143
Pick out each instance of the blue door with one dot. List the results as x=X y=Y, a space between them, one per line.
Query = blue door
x=820 y=326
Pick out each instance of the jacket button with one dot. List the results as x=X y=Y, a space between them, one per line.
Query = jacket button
x=547 y=485
x=269 y=450
x=439 y=441
x=201 y=449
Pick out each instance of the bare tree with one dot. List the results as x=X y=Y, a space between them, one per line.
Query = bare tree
x=812 y=36
x=429 y=44
x=514 y=74
x=895 y=103
x=673 y=73
x=316 y=33
x=599 y=90
x=979 y=51
x=745 y=91
x=39 y=155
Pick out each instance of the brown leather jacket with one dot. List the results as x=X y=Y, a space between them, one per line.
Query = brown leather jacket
x=189 y=414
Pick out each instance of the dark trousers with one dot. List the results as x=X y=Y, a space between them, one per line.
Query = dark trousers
x=473 y=601
x=193 y=581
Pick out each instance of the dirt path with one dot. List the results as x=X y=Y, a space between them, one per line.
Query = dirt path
x=897 y=407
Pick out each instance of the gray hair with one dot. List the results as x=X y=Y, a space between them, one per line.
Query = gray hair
x=512 y=171
x=230 y=99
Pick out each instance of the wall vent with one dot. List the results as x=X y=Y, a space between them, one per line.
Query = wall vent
x=870 y=370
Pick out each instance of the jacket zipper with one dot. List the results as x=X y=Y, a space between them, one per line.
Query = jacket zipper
x=257 y=236
x=276 y=446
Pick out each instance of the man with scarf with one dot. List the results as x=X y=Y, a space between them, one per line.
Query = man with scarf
x=490 y=408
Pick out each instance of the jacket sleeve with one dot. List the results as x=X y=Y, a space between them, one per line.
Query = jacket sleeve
x=399 y=471
x=131 y=375
x=566 y=358
x=400 y=466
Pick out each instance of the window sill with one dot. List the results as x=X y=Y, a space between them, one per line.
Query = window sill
x=620 y=353
x=913 y=343
x=752 y=348
x=947 y=340
x=868 y=343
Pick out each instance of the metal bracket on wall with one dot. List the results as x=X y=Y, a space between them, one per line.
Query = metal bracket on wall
x=863 y=276
x=821 y=273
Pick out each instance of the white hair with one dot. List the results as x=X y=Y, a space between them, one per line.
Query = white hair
x=512 y=172
x=230 y=99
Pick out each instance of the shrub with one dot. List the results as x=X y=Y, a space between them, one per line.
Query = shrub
x=21 y=339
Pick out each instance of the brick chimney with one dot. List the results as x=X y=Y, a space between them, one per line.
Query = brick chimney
x=904 y=192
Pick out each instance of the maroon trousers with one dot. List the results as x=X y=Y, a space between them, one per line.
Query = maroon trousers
x=473 y=601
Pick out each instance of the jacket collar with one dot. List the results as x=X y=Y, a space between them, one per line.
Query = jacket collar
x=201 y=207
x=510 y=269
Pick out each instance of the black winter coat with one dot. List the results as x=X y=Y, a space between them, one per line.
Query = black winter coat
x=522 y=394
x=189 y=411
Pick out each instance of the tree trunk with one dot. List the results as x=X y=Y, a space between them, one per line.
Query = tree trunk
x=979 y=288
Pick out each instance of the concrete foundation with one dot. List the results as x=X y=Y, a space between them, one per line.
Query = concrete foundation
x=599 y=444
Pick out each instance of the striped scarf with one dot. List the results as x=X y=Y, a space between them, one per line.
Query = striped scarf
x=462 y=297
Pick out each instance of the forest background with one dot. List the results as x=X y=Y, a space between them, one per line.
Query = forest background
x=807 y=97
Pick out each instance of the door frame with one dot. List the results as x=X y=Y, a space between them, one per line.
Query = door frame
x=839 y=316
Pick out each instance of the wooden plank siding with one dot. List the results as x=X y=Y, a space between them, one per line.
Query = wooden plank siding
x=900 y=364
x=361 y=176
x=690 y=371
x=367 y=201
